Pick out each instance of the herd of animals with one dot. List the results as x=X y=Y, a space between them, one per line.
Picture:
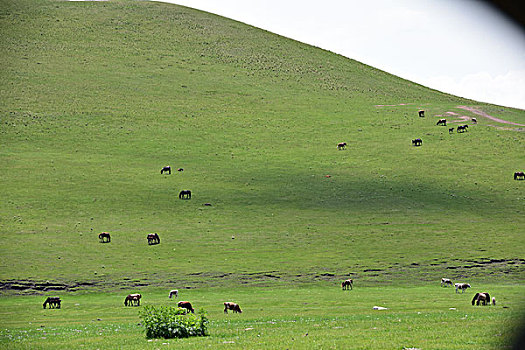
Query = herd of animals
x=518 y=175
x=134 y=299
x=153 y=238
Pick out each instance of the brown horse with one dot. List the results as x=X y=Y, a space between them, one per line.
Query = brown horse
x=442 y=122
x=104 y=237
x=519 y=175
x=483 y=298
x=186 y=305
x=132 y=300
x=341 y=145
x=232 y=306
x=153 y=238
x=53 y=302
x=348 y=283
x=166 y=169
x=185 y=194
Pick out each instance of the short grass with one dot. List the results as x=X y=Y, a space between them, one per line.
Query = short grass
x=96 y=97
x=320 y=316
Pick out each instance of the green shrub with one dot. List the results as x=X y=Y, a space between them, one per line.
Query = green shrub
x=172 y=322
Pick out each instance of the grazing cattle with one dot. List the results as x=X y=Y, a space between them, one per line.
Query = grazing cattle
x=180 y=169
x=519 y=175
x=451 y=130
x=104 y=237
x=462 y=128
x=442 y=122
x=417 y=142
x=232 y=306
x=445 y=282
x=341 y=145
x=185 y=194
x=174 y=292
x=462 y=286
x=132 y=300
x=483 y=298
x=474 y=120
x=166 y=169
x=349 y=283
x=186 y=305
x=421 y=113
x=493 y=301
x=153 y=238
x=53 y=302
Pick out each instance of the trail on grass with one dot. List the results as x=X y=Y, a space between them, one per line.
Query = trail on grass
x=483 y=114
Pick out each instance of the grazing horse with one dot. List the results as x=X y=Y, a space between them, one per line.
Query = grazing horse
x=483 y=298
x=167 y=169
x=474 y=120
x=462 y=128
x=132 y=300
x=348 y=283
x=153 y=238
x=104 y=237
x=442 y=122
x=519 y=175
x=445 y=282
x=341 y=145
x=186 y=305
x=174 y=292
x=417 y=142
x=421 y=113
x=53 y=302
x=451 y=130
x=185 y=194
x=462 y=286
x=232 y=306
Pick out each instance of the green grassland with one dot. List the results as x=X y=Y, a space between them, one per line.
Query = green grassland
x=276 y=318
x=96 y=97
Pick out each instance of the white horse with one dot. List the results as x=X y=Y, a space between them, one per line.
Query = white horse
x=462 y=286
x=174 y=292
x=445 y=282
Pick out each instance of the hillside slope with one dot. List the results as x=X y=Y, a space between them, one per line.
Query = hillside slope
x=96 y=97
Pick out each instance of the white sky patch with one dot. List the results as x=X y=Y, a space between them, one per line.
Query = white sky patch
x=485 y=87
x=463 y=45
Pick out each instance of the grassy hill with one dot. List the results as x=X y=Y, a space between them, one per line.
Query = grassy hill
x=96 y=97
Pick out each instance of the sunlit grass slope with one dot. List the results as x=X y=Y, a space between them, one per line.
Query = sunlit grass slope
x=97 y=96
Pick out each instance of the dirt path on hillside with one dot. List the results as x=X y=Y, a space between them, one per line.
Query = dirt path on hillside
x=483 y=114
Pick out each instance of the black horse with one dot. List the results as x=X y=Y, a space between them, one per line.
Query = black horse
x=442 y=122
x=519 y=175
x=53 y=302
x=462 y=128
x=185 y=194
x=104 y=237
x=451 y=130
x=421 y=113
x=166 y=168
x=417 y=142
x=153 y=238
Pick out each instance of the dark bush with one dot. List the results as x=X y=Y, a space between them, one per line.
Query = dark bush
x=172 y=322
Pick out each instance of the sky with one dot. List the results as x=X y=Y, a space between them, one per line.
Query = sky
x=462 y=47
